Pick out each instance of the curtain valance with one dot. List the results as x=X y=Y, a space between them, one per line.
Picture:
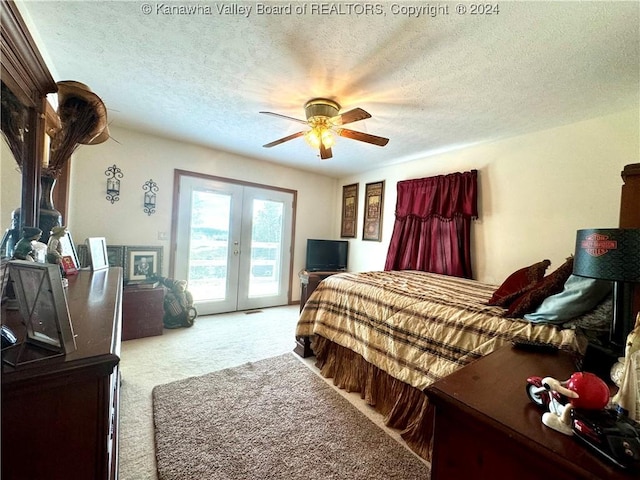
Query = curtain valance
x=444 y=196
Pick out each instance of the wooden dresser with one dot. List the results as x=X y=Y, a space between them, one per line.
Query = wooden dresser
x=487 y=428
x=60 y=415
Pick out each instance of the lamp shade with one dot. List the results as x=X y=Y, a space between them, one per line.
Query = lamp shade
x=608 y=254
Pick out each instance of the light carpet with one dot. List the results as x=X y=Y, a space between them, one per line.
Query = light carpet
x=270 y=419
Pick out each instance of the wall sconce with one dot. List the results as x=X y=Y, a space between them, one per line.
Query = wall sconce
x=114 y=174
x=150 y=188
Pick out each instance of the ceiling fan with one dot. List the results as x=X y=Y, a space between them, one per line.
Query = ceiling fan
x=325 y=121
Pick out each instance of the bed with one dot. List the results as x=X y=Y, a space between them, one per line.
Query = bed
x=389 y=335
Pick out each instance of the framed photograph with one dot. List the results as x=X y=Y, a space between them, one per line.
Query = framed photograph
x=68 y=265
x=43 y=305
x=69 y=249
x=373 y=205
x=83 y=255
x=97 y=247
x=115 y=255
x=141 y=263
x=349 y=211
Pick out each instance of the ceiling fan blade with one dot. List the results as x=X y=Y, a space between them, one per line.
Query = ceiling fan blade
x=284 y=139
x=351 y=116
x=362 y=137
x=325 y=153
x=285 y=117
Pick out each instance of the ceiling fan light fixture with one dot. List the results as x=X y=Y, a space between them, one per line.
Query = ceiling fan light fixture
x=323 y=120
x=328 y=140
x=320 y=135
x=313 y=138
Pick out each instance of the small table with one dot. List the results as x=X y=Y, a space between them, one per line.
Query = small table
x=486 y=427
x=309 y=281
x=142 y=311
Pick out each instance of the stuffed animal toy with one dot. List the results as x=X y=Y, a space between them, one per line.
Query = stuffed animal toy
x=178 y=304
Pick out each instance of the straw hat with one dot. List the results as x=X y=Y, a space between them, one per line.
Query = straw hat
x=70 y=89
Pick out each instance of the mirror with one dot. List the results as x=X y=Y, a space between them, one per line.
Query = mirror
x=14 y=118
x=26 y=81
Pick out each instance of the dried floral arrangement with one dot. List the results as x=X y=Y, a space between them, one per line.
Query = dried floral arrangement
x=83 y=121
x=14 y=123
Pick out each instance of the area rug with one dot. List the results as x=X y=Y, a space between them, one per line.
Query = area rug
x=271 y=419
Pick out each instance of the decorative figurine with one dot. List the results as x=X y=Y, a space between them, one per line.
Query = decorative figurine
x=24 y=248
x=582 y=390
x=54 y=247
x=626 y=375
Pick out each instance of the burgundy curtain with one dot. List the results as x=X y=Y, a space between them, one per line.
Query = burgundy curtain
x=432 y=230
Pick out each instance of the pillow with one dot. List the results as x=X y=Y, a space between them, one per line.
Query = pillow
x=517 y=281
x=549 y=285
x=597 y=320
x=580 y=295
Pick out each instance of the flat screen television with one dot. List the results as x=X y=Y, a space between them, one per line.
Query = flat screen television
x=327 y=255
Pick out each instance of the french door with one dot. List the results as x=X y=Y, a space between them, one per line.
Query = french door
x=233 y=244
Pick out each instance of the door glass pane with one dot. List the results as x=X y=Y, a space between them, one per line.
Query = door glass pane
x=266 y=248
x=209 y=245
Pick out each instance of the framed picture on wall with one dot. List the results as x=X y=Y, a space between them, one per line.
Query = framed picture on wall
x=349 y=211
x=373 y=205
x=141 y=263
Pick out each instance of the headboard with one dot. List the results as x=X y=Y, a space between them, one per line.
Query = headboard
x=630 y=212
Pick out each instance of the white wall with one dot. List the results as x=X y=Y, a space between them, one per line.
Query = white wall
x=142 y=157
x=535 y=191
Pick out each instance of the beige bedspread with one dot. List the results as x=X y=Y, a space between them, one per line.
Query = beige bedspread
x=416 y=326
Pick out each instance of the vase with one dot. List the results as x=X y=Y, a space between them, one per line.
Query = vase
x=49 y=216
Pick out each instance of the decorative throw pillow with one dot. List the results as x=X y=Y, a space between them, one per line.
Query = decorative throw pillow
x=549 y=285
x=517 y=282
x=580 y=295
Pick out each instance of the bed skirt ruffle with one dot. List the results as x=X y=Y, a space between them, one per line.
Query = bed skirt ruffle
x=403 y=406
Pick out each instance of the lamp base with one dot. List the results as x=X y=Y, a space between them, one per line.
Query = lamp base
x=598 y=359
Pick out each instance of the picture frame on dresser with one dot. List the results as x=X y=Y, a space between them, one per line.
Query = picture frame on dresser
x=97 y=247
x=69 y=249
x=115 y=255
x=42 y=303
x=142 y=262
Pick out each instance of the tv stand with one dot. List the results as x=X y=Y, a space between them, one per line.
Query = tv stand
x=309 y=281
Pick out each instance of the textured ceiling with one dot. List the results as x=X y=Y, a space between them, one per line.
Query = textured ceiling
x=431 y=83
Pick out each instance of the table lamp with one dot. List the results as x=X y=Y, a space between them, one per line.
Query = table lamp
x=612 y=254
